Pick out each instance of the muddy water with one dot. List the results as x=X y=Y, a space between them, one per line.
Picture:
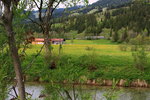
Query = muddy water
x=97 y=93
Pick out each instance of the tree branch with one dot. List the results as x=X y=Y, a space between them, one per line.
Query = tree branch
x=68 y=95
x=33 y=59
x=36 y=4
x=40 y=11
x=56 y=6
x=36 y=23
x=1 y=17
x=15 y=91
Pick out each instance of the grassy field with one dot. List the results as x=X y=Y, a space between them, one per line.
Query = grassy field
x=107 y=51
x=104 y=55
x=92 y=42
x=80 y=47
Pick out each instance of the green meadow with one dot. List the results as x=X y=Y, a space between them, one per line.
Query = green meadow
x=96 y=59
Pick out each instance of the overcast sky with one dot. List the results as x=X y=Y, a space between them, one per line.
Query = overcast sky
x=92 y=1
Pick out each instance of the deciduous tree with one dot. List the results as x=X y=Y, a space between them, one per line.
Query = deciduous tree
x=7 y=9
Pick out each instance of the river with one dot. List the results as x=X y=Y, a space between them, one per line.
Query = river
x=97 y=92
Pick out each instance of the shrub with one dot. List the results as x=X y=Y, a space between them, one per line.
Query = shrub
x=123 y=47
x=140 y=59
x=90 y=61
x=138 y=48
x=89 y=48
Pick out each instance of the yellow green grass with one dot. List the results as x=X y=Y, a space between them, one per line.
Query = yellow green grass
x=80 y=47
x=108 y=52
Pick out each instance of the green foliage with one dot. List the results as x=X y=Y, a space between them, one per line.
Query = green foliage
x=123 y=47
x=140 y=59
x=83 y=23
x=4 y=64
x=89 y=48
x=140 y=55
x=6 y=69
x=18 y=23
x=115 y=36
x=80 y=24
x=112 y=94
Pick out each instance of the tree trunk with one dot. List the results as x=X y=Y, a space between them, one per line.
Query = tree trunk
x=110 y=34
x=47 y=42
x=48 y=48
x=17 y=64
x=148 y=32
x=7 y=21
x=124 y=36
x=16 y=61
x=47 y=28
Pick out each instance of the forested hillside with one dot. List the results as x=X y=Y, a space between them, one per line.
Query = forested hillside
x=111 y=3
x=99 y=5
x=128 y=22
x=118 y=24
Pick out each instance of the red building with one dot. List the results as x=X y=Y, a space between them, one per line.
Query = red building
x=53 y=41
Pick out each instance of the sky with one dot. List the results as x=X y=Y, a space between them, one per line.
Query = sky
x=90 y=2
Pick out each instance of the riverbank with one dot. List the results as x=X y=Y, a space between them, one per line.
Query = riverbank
x=119 y=83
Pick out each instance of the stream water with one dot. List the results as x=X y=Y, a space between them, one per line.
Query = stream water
x=97 y=93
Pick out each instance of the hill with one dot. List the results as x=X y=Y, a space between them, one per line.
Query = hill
x=84 y=9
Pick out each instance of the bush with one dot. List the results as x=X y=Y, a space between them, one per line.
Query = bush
x=140 y=59
x=134 y=48
x=123 y=47
x=89 y=48
x=138 y=48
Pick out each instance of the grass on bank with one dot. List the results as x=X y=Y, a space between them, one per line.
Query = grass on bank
x=81 y=56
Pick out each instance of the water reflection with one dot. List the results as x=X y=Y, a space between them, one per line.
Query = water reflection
x=96 y=93
x=34 y=90
x=135 y=94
